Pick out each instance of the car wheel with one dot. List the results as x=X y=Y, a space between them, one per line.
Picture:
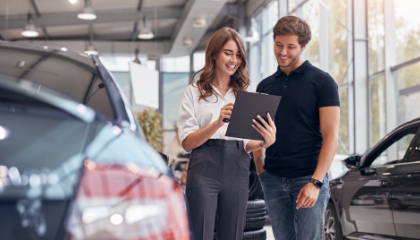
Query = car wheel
x=260 y=234
x=332 y=228
x=255 y=189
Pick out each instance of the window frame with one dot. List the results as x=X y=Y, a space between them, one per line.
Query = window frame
x=410 y=152
x=387 y=142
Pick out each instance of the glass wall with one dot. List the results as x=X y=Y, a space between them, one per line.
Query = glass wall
x=311 y=14
x=408 y=79
x=269 y=18
x=377 y=109
x=343 y=131
x=175 y=76
x=407 y=29
x=337 y=41
x=376 y=36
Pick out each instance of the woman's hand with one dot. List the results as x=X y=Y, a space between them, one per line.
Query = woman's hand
x=267 y=130
x=225 y=112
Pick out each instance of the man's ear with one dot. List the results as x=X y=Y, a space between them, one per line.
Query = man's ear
x=303 y=48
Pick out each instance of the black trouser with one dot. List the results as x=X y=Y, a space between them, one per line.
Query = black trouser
x=218 y=179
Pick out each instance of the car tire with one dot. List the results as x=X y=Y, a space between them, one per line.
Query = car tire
x=255 y=188
x=261 y=213
x=260 y=234
x=256 y=205
x=254 y=223
x=332 y=227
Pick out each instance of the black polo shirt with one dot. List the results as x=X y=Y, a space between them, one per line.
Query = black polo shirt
x=298 y=140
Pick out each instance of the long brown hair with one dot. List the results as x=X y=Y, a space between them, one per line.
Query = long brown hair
x=239 y=81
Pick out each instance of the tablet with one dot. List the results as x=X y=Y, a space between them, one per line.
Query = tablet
x=247 y=106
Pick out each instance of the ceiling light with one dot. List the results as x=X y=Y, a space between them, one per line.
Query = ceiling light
x=88 y=13
x=30 y=30
x=63 y=49
x=145 y=32
x=187 y=42
x=90 y=50
x=252 y=34
x=73 y=1
x=4 y=133
x=200 y=22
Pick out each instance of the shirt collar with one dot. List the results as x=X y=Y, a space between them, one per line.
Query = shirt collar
x=301 y=69
x=217 y=90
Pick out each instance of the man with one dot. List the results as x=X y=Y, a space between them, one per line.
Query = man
x=294 y=175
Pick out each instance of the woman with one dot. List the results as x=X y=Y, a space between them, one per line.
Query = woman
x=218 y=168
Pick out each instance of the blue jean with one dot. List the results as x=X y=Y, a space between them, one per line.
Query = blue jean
x=288 y=223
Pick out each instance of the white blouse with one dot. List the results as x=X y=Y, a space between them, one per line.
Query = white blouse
x=195 y=115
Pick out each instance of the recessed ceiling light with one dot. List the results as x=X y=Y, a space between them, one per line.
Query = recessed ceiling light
x=187 y=42
x=200 y=22
x=73 y=1
x=64 y=49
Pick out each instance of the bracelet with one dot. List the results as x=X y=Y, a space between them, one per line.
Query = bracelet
x=262 y=145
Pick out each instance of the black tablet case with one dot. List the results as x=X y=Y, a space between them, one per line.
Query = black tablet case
x=247 y=106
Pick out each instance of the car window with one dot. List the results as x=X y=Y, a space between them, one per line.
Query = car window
x=413 y=154
x=394 y=151
x=67 y=73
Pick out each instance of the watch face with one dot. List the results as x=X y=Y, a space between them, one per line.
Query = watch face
x=317 y=182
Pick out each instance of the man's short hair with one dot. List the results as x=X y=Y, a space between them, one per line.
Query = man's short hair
x=293 y=25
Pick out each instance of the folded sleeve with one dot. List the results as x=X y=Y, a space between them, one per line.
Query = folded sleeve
x=187 y=122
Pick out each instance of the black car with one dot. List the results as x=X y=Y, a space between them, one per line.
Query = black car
x=379 y=197
x=74 y=163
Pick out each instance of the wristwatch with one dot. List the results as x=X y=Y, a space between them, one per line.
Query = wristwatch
x=316 y=182
x=261 y=145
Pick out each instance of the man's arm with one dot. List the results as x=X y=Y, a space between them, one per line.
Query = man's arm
x=259 y=160
x=329 y=118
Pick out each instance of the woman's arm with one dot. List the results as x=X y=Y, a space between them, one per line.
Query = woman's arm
x=197 y=138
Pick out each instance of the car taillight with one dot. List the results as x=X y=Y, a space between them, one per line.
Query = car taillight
x=127 y=202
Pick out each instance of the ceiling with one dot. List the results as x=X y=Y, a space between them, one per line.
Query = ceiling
x=118 y=23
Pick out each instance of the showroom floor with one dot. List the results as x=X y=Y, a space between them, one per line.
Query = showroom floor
x=269 y=230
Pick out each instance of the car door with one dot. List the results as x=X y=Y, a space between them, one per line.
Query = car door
x=369 y=189
x=405 y=196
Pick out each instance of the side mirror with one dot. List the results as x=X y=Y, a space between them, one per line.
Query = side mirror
x=352 y=162
x=164 y=157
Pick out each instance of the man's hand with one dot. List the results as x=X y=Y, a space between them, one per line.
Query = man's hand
x=307 y=196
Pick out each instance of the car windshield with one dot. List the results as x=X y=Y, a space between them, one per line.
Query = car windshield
x=67 y=73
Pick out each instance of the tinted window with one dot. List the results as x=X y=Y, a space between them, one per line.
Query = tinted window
x=394 y=149
x=67 y=73
x=414 y=150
